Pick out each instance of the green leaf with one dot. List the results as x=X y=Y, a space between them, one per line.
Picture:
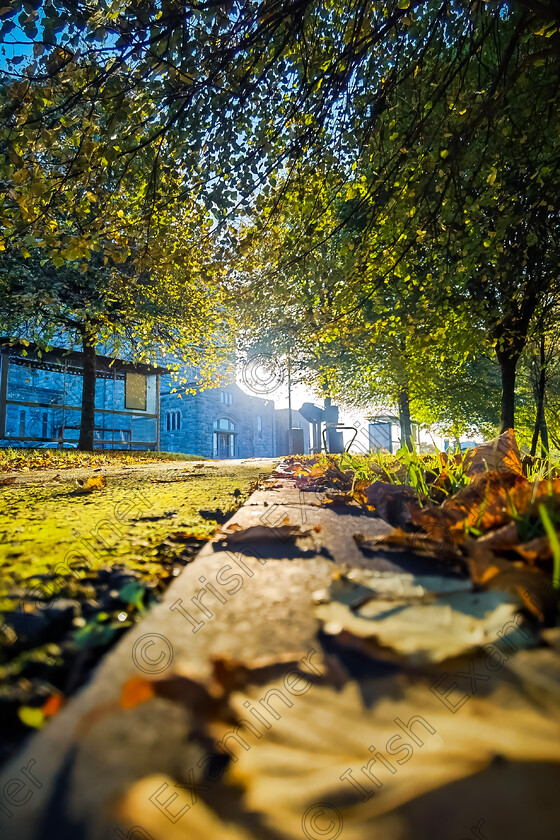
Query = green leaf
x=94 y=635
x=133 y=593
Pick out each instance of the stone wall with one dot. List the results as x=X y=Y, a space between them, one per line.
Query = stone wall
x=199 y=413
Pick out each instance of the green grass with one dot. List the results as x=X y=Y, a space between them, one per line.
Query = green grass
x=426 y=473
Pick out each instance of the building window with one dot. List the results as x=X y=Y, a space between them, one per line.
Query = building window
x=135 y=391
x=259 y=426
x=226 y=398
x=173 y=421
x=45 y=425
x=224 y=425
x=22 y=424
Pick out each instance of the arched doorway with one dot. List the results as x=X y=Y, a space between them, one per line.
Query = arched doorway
x=224 y=438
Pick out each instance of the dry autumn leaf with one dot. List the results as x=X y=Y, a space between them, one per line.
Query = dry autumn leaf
x=420 y=626
x=379 y=775
x=501 y=454
x=483 y=504
x=53 y=705
x=135 y=691
x=88 y=485
x=531 y=586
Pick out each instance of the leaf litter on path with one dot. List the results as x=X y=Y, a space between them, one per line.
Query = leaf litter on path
x=283 y=752
x=423 y=620
x=495 y=508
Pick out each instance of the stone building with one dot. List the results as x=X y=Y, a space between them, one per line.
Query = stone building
x=216 y=423
x=40 y=400
x=136 y=407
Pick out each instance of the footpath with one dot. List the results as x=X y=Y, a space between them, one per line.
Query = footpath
x=300 y=679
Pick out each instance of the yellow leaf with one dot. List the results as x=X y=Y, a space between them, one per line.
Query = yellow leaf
x=444 y=153
x=491 y=177
x=31 y=716
x=97 y=482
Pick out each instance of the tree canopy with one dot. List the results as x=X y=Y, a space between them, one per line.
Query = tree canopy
x=384 y=176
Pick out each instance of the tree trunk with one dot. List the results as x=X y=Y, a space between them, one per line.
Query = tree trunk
x=540 y=421
x=508 y=365
x=404 y=419
x=536 y=433
x=545 y=447
x=87 y=425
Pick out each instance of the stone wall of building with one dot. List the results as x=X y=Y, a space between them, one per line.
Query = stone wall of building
x=200 y=414
x=220 y=422
x=56 y=386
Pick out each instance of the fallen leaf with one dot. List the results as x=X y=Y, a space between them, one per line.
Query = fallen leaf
x=31 y=716
x=265 y=533
x=501 y=455
x=535 y=552
x=531 y=586
x=97 y=482
x=135 y=691
x=433 y=544
x=53 y=705
x=320 y=744
x=484 y=505
x=421 y=626
x=392 y=502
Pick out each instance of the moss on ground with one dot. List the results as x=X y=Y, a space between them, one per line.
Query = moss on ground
x=50 y=529
x=77 y=569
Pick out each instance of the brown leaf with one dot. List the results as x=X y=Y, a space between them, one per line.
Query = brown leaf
x=531 y=586
x=501 y=454
x=484 y=504
x=392 y=502
x=428 y=628
x=136 y=691
x=8 y=480
x=430 y=545
x=536 y=552
x=504 y=539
